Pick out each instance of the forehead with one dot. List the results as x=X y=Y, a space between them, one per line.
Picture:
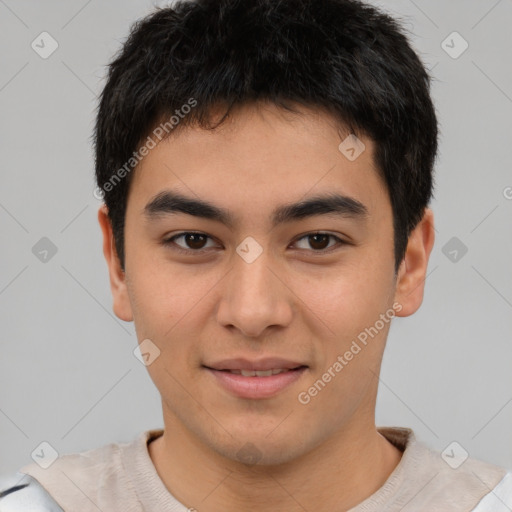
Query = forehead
x=262 y=156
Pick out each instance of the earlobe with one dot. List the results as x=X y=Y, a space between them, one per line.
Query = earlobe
x=121 y=301
x=413 y=269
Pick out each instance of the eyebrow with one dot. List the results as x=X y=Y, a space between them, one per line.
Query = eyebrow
x=168 y=202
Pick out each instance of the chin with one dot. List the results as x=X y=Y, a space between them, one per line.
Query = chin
x=260 y=448
x=257 y=454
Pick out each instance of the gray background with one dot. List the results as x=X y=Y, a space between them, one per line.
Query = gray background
x=68 y=375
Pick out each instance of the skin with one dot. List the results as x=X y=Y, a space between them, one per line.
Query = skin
x=292 y=302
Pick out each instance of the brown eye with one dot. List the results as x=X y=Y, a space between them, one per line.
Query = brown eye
x=195 y=240
x=191 y=242
x=319 y=242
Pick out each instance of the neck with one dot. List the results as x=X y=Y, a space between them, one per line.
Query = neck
x=337 y=475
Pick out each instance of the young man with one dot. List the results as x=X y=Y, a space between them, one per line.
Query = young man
x=266 y=169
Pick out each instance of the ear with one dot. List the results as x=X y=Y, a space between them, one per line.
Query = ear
x=413 y=269
x=121 y=306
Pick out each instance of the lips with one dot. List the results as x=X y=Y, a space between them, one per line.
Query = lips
x=256 y=373
x=264 y=378
x=261 y=365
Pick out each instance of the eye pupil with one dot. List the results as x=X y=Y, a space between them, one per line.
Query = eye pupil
x=320 y=236
x=192 y=239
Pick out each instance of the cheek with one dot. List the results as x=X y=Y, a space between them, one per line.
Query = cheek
x=171 y=306
x=344 y=300
x=161 y=293
x=166 y=312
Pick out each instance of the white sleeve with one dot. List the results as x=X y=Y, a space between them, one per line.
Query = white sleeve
x=499 y=499
x=23 y=493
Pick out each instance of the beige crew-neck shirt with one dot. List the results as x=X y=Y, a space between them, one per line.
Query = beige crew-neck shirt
x=121 y=477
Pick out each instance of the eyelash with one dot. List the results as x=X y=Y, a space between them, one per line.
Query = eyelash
x=169 y=242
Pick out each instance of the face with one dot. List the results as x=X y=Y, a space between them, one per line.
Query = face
x=248 y=285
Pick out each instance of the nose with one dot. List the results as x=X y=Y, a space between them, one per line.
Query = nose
x=254 y=297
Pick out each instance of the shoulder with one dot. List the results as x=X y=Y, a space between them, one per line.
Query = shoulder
x=22 y=492
x=499 y=499
x=430 y=479
x=71 y=482
x=83 y=481
x=466 y=483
